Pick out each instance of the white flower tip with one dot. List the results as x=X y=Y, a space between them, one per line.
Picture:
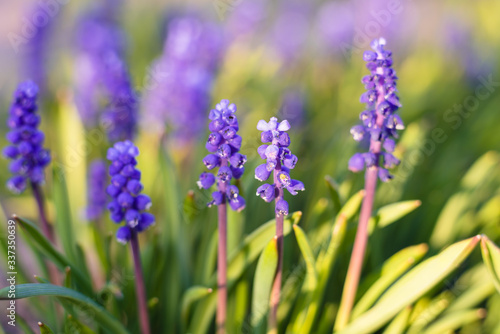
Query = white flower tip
x=262 y=125
x=284 y=126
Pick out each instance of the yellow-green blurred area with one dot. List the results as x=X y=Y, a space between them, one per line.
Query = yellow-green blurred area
x=446 y=55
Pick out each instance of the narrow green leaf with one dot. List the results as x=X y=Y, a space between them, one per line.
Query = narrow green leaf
x=72 y=325
x=252 y=246
x=84 y=303
x=333 y=188
x=67 y=277
x=388 y=214
x=307 y=253
x=64 y=222
x=453 y=322
x=192 y=295
x=431 y=312
x=262 y=284
x=49 y=251
x=491 y=256
x=412 y=286
x=392 y=269
x=399 y=324
x=44 y=329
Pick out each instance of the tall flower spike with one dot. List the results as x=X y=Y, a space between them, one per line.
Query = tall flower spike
x=379 y=125
x=128 y=204
x=379 y=121
x=29 y=158
x=224 y=144
x=280 y=160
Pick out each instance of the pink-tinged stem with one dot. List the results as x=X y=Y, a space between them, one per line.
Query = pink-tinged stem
x=46 y=230
x=358 y=251
x=139 y=285
x=222 y=261
x=276 y=288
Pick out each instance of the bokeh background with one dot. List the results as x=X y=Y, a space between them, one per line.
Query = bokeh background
x=297 y=60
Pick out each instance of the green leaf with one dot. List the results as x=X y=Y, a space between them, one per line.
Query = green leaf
x=491 y=256
x=85 y=304
x=431 y=312
x=392 y=269
x=333 y=188
x=64 y=222
x=399 y=323
x=262 y=284
x=307 y=253
x=454 y=321
x=49 y=251
x=72 y=325
x=44 y=329
x=412 y=286
x=252 y=246
x=388 y=214
x=192 y=295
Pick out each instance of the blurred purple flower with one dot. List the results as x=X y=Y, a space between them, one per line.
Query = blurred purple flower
x=97 y=180
x=181 y=80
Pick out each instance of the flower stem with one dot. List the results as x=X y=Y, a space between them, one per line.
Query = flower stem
x=222 y=261
x=46 y=230
x=139 y=285
x=276 y=288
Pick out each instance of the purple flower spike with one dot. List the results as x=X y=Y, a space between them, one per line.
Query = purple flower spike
x=380 y=121
x=278 y=159
x=29 y=158
x=224 y=143
x=128 y=204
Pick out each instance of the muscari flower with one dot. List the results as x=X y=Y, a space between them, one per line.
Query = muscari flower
x=180 y=80
x=29 y=158
x=128 y=204
x=379 y=121
x=224 y=144
x=279 y=159
x=96 y=192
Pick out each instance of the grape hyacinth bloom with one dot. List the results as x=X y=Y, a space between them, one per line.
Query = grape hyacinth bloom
x=224 y=143
x=279 y=160
x=96 y=192
x=180 y=80
x=130 y=206
x=29 y=158
x=379 y=125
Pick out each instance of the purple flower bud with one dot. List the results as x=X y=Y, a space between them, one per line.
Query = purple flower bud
x=266 y=192
x=224 y=174
x=237 y=160
x=237 y=203
x=266 y=137
x=217 y=198
x=384 y=175
x=356 y=163
x=134 y=187
x=132 y=217
x=146 y=221
x=370 y=159
x=389 y=145
x=118 y=181
x=16 y=184
x=389 y=160
x=112 y=190
x=295 y=186
x=125 y=200
x=282 y=207
x=262 y=173
x=284 y=179
x=290 y=161
x=262 y=151
x=211 y=161
x=10 y=152
x=123 y=235
x=114 y=206
x=142 y=202
x=358 y=132
x=224 y=151
x=237 y=172
x=206 y=180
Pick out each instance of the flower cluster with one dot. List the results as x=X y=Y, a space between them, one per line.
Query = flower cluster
x=27 y=152
x=180 y=80
x=128 y=203
x=101 y=74
x=96 y=192
x=278 y=159
x=379 y=119
x=225 y=144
